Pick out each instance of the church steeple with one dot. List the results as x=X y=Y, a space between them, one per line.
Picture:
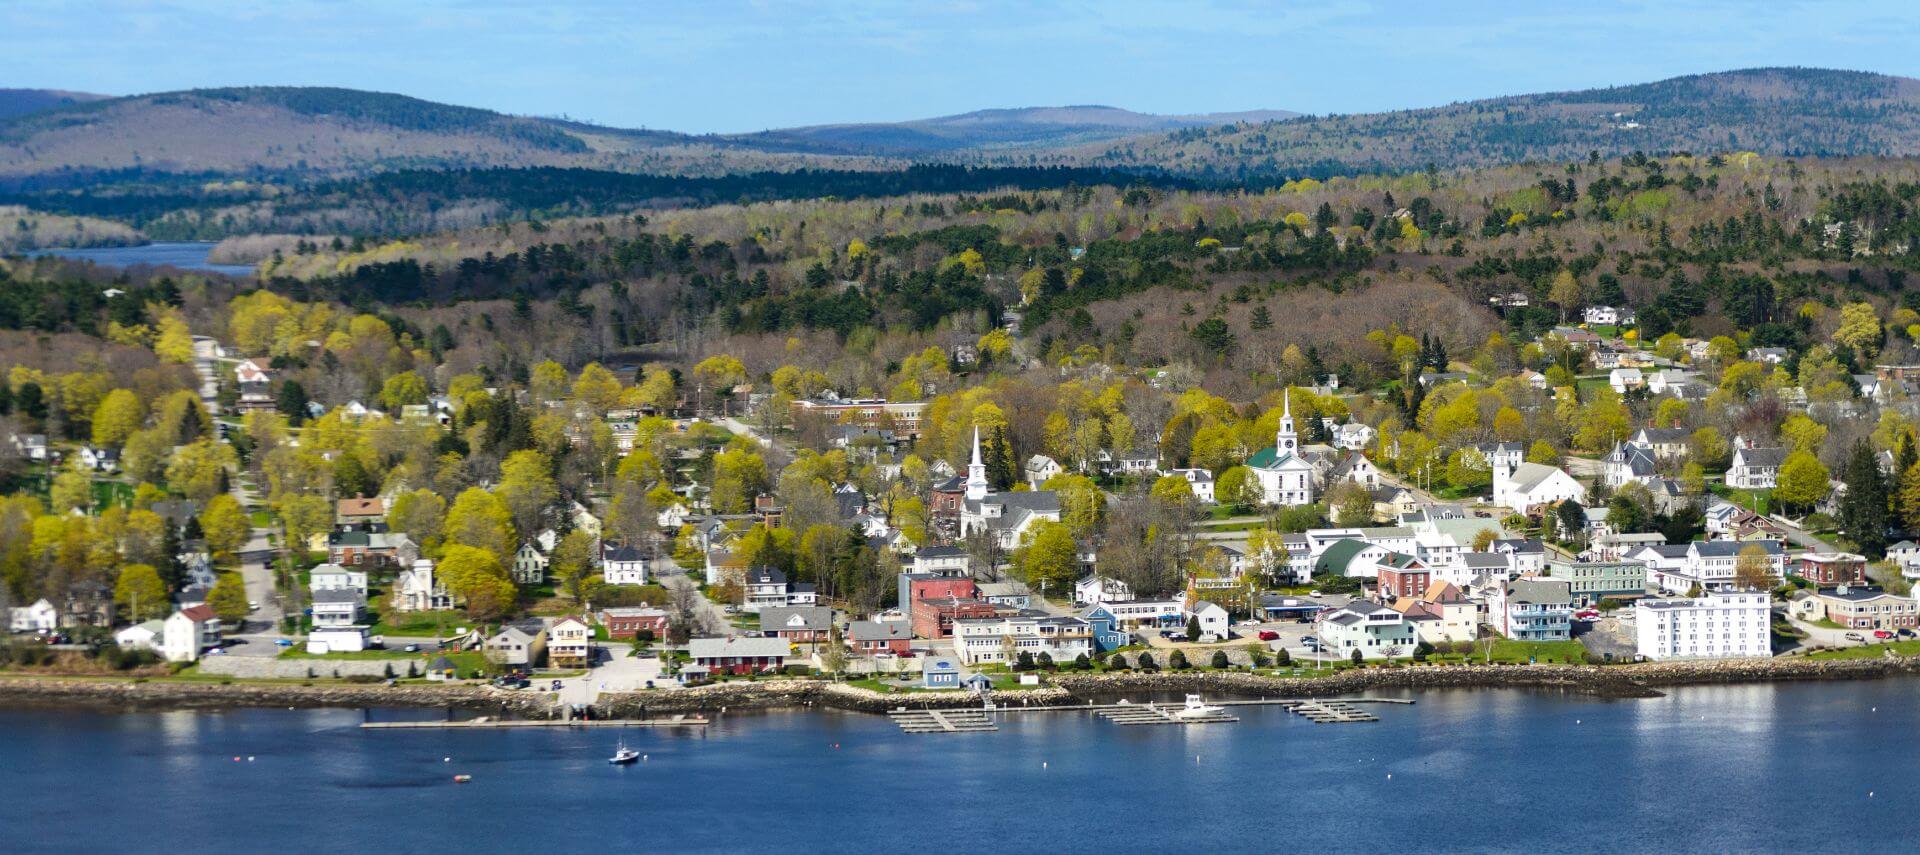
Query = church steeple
x=1287 y=441
x=976 y=471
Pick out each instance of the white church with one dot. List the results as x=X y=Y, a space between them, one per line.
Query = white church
x=1006 y=516
x=1292 y=474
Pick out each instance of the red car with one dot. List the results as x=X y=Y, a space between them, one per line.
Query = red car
x=1882 y=634
x=1269 y=635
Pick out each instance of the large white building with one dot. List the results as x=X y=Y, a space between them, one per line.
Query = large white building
x=1528 y=485
x=1003 y=639
x=1719 y=625
x=1374 y=630
x=1007 y=516
x=1286 y=478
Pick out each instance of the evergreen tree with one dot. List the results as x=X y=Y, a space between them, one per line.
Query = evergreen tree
x=1262 y=319
x=1863 y=509
x=998 y=456
x=292 y=401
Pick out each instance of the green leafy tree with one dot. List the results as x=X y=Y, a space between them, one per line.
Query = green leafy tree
x=1048 y=561
x=1803 y=481
x=226 y=527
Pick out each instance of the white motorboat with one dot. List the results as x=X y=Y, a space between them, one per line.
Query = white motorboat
x=1197 y=708
x=624 y=755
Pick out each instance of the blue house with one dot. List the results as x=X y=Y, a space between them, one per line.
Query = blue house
x=940 y=673
x=1106 y=629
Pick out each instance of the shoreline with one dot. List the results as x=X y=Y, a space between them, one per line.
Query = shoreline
x=1601 y=681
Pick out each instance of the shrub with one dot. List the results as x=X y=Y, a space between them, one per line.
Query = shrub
x=1146 y=661
x=1178 y=660
x=1044 y=660
x=1023 y=662
x=1283 y=657
x=1357 y=658
x=1117 y=662
x=1083 y=662
x=1220 y=659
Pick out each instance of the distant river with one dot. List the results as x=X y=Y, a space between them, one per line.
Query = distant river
x=186 y=255
x=1784 y=767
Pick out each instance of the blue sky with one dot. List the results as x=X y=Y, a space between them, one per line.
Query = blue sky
x=724 y=66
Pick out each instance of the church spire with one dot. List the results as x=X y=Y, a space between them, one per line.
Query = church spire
x=1287 y=441
x=976 y=471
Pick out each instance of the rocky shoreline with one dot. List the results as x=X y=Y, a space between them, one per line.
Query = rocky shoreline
x=1612 y=681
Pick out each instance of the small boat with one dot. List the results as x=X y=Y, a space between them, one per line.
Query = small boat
x=461 y=779
x=624 y=755
x=1196 y=708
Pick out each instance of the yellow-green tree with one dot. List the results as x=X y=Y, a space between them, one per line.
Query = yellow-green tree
x=476 y=577
x=119 y=414
x=1048 y=560
x=1803 y=481
x=72 y=488
x=140 y=593
x=481 y=520
x=527 y=486
x=597 y=387
x=1859 y=328
x=403 y=389
x=196 y=468
x=226 y=527
x=738 y=476
x=228 y=598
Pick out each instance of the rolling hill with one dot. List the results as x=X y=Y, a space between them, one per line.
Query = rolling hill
x=1781 y=111
x=19 y=102
x=989 y=130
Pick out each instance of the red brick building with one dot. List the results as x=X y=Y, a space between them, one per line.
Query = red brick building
x=1402 y=576
x=933 y=618
x=1830 y=568
x=622 y=623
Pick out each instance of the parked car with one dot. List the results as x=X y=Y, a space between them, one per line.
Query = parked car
x=412 y=648
x=1882 y=634
x=1269 y=635
x=283 y=642
x=1904 y=633
x=1855 y=637
x=1249 y=622
x=1315 y=594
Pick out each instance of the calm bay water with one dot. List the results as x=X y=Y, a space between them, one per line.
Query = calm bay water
x=186 y=255
x=1710 y=769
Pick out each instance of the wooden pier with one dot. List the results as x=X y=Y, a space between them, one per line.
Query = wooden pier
x=944 y=721
x=477 y=723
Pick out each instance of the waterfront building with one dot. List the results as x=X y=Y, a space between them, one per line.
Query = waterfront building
x=1716 y=625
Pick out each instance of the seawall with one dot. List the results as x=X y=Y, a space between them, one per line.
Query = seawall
x=1620 y=681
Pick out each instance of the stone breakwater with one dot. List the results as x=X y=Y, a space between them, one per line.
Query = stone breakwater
x=1622 y=681
x=135 y=696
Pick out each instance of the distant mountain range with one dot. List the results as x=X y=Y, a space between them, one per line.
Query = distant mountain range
x=67 y=138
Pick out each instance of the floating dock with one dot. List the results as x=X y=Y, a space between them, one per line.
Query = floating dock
x=944 y=721
x=477 y=723
x=1332 y=712
x=983 y=719
x=1135 y=714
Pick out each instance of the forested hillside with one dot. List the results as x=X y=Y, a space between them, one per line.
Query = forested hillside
x=1782 y=111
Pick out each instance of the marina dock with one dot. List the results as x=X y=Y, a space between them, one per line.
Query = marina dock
x=983 y=719
x=945 y=721
x=676 y=721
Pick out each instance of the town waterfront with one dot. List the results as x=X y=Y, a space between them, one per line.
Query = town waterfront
x=1710 y=768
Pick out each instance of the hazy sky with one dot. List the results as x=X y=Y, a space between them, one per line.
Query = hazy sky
x=715 y=65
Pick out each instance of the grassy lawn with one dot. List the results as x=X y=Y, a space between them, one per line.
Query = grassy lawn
x=1757 y=501
x=1589 y=386
x=435 y=624
x=1869 y=651
x=1248 y=525
x=1518 y=652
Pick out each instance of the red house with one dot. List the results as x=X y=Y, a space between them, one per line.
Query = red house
x=1402 y=576
x=629 y=622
